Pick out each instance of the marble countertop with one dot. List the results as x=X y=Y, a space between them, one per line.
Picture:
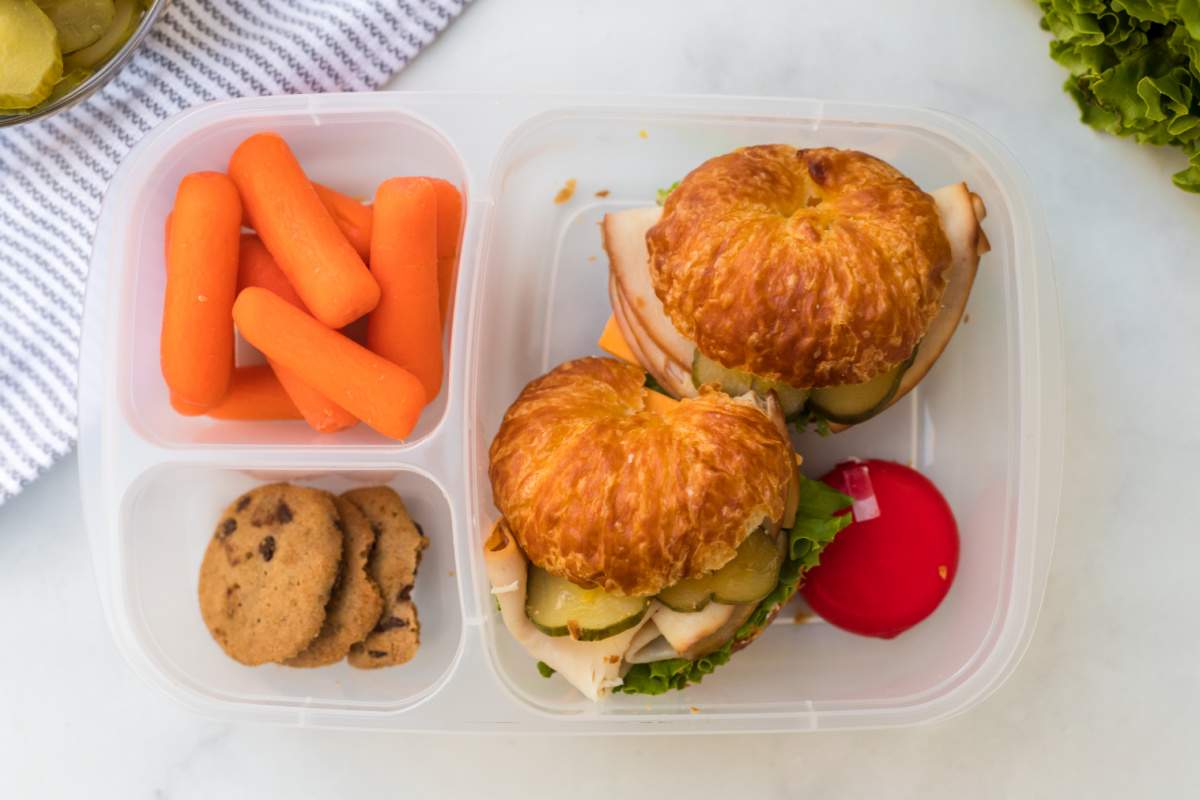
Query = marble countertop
x=1102 y=703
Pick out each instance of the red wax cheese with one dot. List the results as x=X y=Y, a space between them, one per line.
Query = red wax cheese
x=891 y=568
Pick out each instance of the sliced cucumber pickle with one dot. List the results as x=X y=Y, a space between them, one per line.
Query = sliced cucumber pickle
x=748 y=578
x=736 y=382
x=791 y=400
x=126 y=14
x=558 y=607
x=732 y=382
x=30 y=58
x=79 y=22
x=856 y=402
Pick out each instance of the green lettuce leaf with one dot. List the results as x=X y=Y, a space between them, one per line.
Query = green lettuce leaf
x=660 y=196
x=818 y=520
x=1135 y=70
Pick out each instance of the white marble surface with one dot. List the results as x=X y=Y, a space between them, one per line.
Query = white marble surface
x=1103 y=703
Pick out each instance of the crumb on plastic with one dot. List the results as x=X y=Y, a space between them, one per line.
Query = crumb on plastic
x=602 y=193
x=452 y=573
x=966 y=318
x=643 y=134
x=694 y=709
x=943 y=571
x=566 y=192
x=803 y=617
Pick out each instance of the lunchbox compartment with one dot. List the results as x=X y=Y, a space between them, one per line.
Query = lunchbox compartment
x=545 y=274
x=351 y=152
x=167 y=519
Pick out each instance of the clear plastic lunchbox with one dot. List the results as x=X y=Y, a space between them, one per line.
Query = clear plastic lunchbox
x=986 y=425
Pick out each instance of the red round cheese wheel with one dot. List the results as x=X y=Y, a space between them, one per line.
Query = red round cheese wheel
x=893 y=565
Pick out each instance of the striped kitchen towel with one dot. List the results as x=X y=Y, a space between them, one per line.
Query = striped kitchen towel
x=53 y=172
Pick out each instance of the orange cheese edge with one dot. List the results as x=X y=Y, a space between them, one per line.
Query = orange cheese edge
x=659 y=402
x=612 y=342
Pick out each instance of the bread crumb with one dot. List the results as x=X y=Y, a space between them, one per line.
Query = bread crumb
x=602 y=193
x=802 y=617
x=591 y=258
x=451 y=573
x=693 y=709
x=642 y=133
x=943 y=571
x=966 y=318
x=566 y=192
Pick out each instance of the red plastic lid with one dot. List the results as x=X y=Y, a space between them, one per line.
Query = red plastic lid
x=892 y=566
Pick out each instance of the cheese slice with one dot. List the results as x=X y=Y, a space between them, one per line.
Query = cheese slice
x=594 y=668
x=659 y=402
x=612 y=342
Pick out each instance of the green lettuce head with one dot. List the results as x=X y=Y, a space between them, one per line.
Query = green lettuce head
x=1135 y=69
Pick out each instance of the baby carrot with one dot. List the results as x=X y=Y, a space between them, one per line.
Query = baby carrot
x=283 y=207
x=257 y=268
x=351 y=216
x=386 y=397
x=449 y=225
x=405 y=327
x=254 y=394
x=196 y=346
x=185 y=408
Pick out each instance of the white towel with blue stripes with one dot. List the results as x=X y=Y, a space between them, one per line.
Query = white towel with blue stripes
x=53 y=172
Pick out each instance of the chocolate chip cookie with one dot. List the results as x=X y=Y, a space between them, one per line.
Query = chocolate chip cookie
x=355 y=605
x=268 y=571
x=393 y=566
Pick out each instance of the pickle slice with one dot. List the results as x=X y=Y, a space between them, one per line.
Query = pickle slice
x=30 y=60
x=748 y=578
x=124 y=23
x=560 y=608
x=79 y=22
x=67 y=83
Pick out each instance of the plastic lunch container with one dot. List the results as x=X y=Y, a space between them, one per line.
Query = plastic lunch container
x=986 y=425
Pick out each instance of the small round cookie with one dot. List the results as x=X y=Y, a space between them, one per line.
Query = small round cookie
x=355 y=606
x=268 y=571
x=393 y=566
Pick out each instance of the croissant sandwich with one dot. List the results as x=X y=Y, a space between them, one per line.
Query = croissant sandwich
x=823 y=275
x=644 y=540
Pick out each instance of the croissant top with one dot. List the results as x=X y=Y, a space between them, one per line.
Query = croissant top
x=816 y=267
x=600 y=490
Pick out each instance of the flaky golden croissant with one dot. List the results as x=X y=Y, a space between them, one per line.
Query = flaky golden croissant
x=600 y=490
x=815 y=267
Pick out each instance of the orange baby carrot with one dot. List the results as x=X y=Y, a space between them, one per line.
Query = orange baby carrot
x=283 y=207
x=187 y=409
x=351 y=216
x=387 y=397
x=254 y=394
x=405 y=327
x=257 y=268
x=449 y=225
x=196 y=346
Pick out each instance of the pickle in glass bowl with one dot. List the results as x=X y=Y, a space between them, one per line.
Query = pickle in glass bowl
x=30 y=58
